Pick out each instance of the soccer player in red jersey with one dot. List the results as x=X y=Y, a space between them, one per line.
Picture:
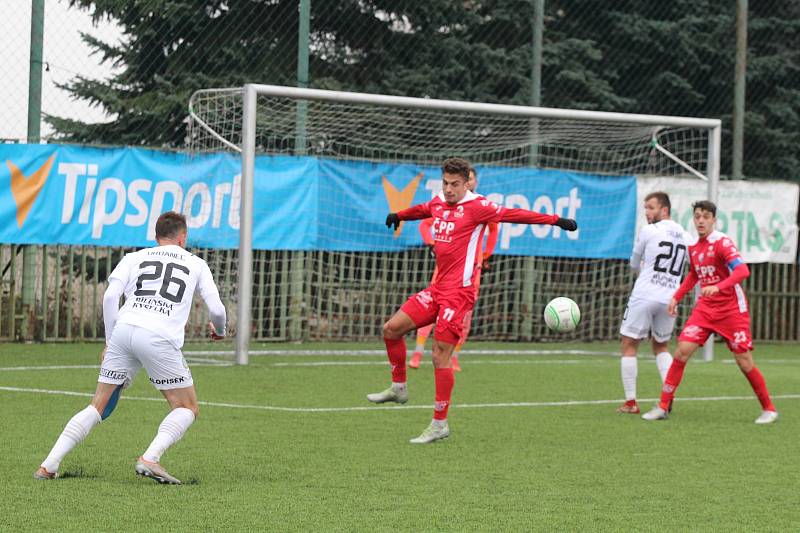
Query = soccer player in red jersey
x=483 y=264
x=460 y=219
x=722 y=308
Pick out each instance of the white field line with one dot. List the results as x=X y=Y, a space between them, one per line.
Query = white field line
x=312 y=353
x=381 y=362
x=470 y=362
x=76 y=367
x=566 y=403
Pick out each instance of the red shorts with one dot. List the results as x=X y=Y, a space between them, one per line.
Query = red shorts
x=447 y=308
x=732 y=326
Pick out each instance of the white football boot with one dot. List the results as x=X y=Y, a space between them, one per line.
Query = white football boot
x=432 y=433
x=155 y=472
x=656 y=413
x=767 y=417
x=389 y=395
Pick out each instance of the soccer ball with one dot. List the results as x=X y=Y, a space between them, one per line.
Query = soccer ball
x=562 y=314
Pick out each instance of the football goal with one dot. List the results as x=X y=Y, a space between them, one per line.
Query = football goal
x=321 y=169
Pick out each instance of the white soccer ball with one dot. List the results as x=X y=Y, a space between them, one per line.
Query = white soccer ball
x=562 y=314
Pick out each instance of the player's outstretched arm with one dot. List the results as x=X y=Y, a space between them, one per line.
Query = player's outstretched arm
x=523 y=216
x=415 y=212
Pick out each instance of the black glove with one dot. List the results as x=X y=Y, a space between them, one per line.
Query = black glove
x=563 y=223
x=392 y=220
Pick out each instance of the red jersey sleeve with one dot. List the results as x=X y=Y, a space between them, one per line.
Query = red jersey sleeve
x=425 y=229
x=687 y=285
x=729 y=254
x=415 y=212
x=488 y=211
x=523 y=216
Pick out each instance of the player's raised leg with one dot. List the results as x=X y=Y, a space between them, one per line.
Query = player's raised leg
x=76 y=431
x=394 y=331
x=422 y=336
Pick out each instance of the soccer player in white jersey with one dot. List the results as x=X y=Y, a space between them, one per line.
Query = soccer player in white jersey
x=659 y=255
x=158 y=284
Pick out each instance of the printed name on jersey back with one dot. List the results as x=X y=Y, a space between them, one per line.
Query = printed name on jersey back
x=152 y=304
x=664 y=280
x=165 y=253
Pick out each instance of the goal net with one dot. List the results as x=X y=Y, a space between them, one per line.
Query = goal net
x=324 y=168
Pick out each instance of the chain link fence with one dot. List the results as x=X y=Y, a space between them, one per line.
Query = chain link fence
x=121 y=73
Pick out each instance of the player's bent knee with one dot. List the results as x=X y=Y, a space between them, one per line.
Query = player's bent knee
x=392 y=331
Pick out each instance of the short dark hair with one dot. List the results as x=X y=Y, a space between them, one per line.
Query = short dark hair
x=169 y=225
x=705 y=205
x=456 y=165
x=661 y=197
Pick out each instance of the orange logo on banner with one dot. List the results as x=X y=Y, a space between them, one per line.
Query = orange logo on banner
x=399 y=200
x=25 y=189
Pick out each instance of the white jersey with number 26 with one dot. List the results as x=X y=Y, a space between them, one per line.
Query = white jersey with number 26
x=659 y=253
x=159 y=284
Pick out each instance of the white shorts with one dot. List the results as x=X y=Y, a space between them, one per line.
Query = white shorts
x=132 y=348
x=645 y=317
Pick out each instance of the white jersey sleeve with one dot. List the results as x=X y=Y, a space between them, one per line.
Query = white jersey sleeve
x=664 y=253
x=159 y=284
x=210 y=295
x=639 y=247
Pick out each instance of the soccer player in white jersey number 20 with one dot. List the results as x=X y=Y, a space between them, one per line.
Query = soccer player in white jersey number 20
x=659 y=255
x=158 y=284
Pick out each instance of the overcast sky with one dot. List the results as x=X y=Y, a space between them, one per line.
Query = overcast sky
x=65 y=54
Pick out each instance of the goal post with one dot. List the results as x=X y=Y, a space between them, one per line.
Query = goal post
x=367 y=129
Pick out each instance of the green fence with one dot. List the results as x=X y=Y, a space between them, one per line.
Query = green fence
x=336 y=296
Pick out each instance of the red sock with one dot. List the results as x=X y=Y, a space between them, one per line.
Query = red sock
x=444 y=388
x=396 y=350
x=674 y=376
x=760 y=388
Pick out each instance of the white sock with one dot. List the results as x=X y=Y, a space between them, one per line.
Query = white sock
x=399 y=387
x=74 y=432
x=170 y=431
x=420 y=348
x=663 y=362
x=439 y=423
x=629 y=368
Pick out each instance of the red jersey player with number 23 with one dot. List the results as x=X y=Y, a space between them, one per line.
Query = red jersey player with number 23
x=460 y=219
x=722 y=308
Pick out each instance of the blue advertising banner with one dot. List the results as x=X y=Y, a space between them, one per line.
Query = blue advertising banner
x=53 y=194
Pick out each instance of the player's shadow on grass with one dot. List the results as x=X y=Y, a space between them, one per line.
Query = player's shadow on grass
x=77 y=473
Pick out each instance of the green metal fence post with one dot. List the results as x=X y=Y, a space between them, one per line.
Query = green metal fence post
x=34 y=133
x=298 y=266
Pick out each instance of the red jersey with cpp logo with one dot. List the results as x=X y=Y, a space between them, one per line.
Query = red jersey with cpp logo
x=457 y=235
x=711 y=260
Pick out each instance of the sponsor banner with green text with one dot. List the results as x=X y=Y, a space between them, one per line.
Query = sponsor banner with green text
x=760 y=216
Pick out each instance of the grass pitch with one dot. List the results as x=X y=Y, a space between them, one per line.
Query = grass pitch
x=290 y=443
